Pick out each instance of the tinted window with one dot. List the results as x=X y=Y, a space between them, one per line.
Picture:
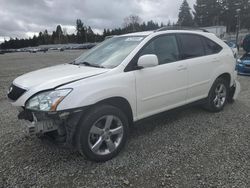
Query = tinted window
x=245 y=57
x=191 y=46
x=164 y=47
x=211 y=47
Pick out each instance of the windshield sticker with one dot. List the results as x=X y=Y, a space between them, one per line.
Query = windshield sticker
x=134 y=39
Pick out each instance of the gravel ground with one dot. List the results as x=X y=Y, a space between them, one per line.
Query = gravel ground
x=183 y=148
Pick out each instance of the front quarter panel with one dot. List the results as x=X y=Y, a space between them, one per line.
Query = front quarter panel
x=93 y=90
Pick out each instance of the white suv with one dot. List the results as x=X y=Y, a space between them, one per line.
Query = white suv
x=91 y=103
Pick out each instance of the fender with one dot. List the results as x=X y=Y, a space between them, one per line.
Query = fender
x=92 y=91
x=222 y=69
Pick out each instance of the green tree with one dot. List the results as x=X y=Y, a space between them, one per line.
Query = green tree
x=58 y=34
x=222 y=12
x=229 y=16
x=132 y=23
x=208 y=13
x=185 y=17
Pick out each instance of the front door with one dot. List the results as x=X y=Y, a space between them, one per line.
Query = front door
x=164 y=86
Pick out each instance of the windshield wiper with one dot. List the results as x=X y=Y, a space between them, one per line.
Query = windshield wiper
x=89 y=64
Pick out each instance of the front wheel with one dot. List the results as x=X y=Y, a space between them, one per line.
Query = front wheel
x=102 y=133
x=217 y=96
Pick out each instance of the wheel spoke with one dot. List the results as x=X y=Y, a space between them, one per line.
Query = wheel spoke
x=117 y=130
x=111 y=145
x=220 y=103
x=215 y=100
x=108 y=122
x=223 y=94
x=217 y=90
x=97 y=145
x=96 y=130
x=221 y=88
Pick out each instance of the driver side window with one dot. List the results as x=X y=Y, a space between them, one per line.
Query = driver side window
x=164 y=47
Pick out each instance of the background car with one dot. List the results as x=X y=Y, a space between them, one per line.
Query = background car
x=243 y=65
x=233 y=46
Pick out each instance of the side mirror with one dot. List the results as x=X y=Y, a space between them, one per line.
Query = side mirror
x=149 y=60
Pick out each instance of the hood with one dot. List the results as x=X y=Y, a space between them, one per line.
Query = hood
x=247 y=62
x=52 y=77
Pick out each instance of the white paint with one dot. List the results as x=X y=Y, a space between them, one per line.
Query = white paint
x=148 y=91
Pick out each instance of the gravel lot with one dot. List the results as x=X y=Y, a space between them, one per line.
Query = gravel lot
x=182 y=148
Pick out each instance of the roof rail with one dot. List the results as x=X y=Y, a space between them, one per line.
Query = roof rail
x=181 y=28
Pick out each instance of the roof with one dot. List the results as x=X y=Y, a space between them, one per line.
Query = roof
x=144 y=33
x=147 y=33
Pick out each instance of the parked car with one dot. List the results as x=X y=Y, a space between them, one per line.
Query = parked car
x=243 y=65
x=91 y=103
x=234 y=47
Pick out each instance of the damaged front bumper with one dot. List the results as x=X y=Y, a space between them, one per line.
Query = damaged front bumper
x=63 y=123
x=38 y=123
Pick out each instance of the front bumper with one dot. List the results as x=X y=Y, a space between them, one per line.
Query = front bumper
x=38 y=128
x=38 y=123
x=63 y=123
x=243 y=69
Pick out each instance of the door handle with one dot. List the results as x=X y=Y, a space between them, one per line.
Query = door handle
x=181 y=68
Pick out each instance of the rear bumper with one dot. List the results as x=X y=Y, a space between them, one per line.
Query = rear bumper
x=243 y=70
x=236 y=87
x=244 y=73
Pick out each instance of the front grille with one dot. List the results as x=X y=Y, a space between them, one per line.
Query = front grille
x=15 y=92
x=247 y=66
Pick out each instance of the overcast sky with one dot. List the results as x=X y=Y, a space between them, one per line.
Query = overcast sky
x=23 y=18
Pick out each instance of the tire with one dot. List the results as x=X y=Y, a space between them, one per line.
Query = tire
x=218 y=95
x=102 y=133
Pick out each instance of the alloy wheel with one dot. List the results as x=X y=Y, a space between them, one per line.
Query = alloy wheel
x=105 y=135
x=220 y=95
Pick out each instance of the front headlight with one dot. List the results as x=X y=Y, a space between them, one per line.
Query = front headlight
x=48 y=100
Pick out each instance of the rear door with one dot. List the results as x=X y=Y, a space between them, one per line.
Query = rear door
x=199 y=53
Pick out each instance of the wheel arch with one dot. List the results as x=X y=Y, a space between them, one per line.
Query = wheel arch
x=120 y=103
x=226 y=76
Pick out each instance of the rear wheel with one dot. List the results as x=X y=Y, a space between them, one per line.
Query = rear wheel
x=217 y=96
x=102 y=133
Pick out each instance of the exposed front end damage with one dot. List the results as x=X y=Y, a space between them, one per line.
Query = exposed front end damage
x=60 y=125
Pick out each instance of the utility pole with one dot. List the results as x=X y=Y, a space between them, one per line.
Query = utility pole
x=238 y=26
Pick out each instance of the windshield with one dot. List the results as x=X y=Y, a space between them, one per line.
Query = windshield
x=110 y=53
x=246 y=57
x=230 y=44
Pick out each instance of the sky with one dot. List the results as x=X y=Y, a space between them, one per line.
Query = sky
x=24 y=18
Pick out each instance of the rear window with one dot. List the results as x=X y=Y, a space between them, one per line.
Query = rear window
x=192 y=46
x=211 y=47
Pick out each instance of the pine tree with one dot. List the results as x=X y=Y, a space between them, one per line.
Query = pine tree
x=185 y=17
x=208 y=13
x=201 y=14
